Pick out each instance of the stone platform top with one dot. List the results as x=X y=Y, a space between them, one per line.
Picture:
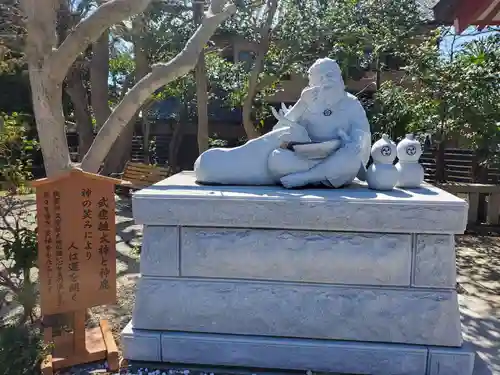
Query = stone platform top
x=179 y=200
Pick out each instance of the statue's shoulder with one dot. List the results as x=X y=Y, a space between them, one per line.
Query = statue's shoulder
x=351 y=101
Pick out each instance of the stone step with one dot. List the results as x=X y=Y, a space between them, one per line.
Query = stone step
x=306 y=310
x=294 y=354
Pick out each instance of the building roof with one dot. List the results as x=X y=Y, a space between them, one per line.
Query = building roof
x=463 y=13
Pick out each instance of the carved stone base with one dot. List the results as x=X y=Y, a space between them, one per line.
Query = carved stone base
x=318 y=311
x=294 y=354
x=347 y=280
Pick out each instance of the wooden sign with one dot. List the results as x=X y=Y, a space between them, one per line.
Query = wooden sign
x=76 y=242
x=77 y=261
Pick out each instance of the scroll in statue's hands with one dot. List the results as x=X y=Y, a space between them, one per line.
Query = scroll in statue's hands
x=317 y=150
x=312 y=150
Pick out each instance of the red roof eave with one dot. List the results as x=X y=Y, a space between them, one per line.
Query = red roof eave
x=463 y=13
x=476 y=12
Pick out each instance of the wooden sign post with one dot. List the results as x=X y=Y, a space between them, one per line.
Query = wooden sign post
x=77 y=263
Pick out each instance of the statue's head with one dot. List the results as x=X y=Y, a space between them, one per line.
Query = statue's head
x=325 y=72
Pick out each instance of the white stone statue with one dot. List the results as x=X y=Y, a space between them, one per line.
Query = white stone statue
x=410 y=172
x=382 y=174
x=323 y=139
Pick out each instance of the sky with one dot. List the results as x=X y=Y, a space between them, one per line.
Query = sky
x=468 y=35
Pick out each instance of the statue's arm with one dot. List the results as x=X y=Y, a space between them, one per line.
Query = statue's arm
x=296 y=112
x=360 y=135
x=308 y=95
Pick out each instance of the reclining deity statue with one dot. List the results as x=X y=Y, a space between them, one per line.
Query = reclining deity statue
x=324 y=139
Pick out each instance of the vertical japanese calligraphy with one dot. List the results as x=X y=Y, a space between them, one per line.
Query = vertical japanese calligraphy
x=104 y=242
x=59 y=249
x=73 y=270
x=47 y=236
x=76 y=239
x=87 y=221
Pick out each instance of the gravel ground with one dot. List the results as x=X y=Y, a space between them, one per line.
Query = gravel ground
x=478 y=261
x=136 y=370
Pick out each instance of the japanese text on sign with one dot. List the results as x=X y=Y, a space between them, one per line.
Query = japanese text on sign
x=104 y=241
x=59 y=249
x=76 y=239
x=47 y=234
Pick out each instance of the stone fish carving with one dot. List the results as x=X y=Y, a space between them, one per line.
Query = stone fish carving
x=323 y=139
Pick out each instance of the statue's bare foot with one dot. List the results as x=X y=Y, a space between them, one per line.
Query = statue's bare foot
x=291 y=181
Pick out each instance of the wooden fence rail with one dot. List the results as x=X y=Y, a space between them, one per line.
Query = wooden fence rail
x=457 y=165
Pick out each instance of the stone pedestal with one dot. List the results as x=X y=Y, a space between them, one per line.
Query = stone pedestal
x=350 y=280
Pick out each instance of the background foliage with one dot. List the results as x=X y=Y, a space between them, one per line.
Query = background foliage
x=448 y=97
x=16 y=152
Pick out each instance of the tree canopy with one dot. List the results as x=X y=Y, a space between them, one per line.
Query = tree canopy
x=447 y=97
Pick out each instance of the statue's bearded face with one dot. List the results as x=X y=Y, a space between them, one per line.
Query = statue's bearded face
x=325 y=72
x=326 y=84
x=330 y=91
x=328 y=78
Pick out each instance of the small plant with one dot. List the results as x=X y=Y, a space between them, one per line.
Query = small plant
x=19 y=242
x=136 y=249
x=215 y=142
x=16 y=150
x=21 y=350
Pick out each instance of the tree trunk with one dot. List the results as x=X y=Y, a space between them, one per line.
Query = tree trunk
x=46 y=93
x=201 y=88
x=248 y=124
x=78 y=94
x=253 y=80
x=146 y=133
x=50 y=61
x=99 y=72
x=74 y=85
x=122 y=148
x=378 y=73
x=47 y=107
x=120 y=151
x=173 y=147
x=160 y=75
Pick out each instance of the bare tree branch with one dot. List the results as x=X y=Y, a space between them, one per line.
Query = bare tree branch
x=89 y=30
x=160 y=75
x=41 y=36
x=253 y=80
x=99 y=72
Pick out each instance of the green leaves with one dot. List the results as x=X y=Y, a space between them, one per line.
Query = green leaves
x=450 y=98
x=21 y=350
x=16 y=151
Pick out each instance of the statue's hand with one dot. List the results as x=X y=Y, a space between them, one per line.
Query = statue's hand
x=284 y=144
x=310 y=94
x=354 y=147
x=352 y=143
x=282 y=120
x=343 y=136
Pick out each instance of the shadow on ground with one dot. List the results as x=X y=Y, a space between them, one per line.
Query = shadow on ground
x=478 y=263
x=129 y=238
